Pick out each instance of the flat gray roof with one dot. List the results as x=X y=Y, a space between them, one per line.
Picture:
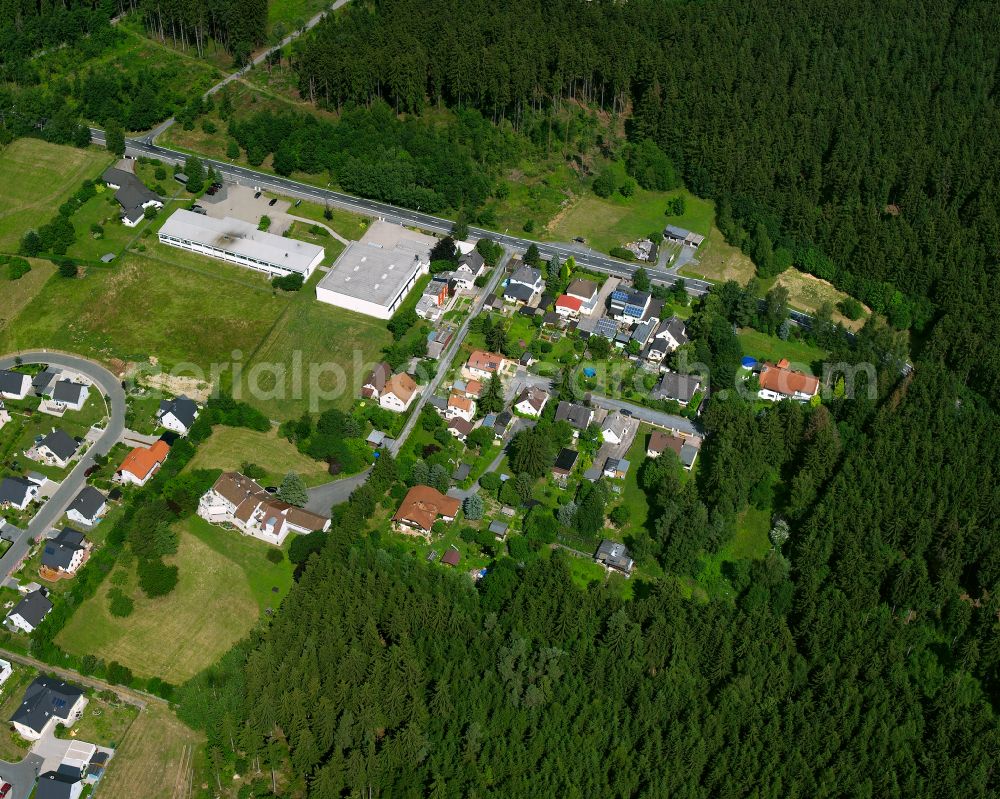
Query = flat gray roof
x=378 y=266
x=242 y=239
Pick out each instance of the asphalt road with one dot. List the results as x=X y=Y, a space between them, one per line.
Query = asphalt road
x=53 y=510
x=323 y=497
x=292 y=188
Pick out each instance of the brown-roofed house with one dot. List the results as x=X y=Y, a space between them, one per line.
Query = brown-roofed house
x=237 y=500
x=460 y=428
x=531 y=401
x=399 y=392
x=375 y=382
x=460 y=407
x=421 y=507
x=684 y=447
x=142 y=462
x=483 y=365
x=779 y=382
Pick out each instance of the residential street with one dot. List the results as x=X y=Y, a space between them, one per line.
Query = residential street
x=52 y=511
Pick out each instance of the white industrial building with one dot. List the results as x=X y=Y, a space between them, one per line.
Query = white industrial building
x=374 y=275
x=241 y=243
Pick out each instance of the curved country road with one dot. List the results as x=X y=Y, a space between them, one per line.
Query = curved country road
x=52 y=511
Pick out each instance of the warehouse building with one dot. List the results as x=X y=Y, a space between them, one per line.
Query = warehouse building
x=374 y=275
x=241 y=243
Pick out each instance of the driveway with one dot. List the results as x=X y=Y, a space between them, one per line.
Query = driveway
x=21 y=775
x=324 y=497
x=63 y=495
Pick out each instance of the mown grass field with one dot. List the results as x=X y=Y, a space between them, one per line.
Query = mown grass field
x=226 y=582
x=163 y=303
x=18 y=293
x=154 y=759
x=332 y=349
x=611 y=222
x=230 y=447
x=720 y=261
x=36 y=178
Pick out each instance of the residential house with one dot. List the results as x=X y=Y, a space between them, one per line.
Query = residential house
x=459 y=281
x=502 y=424
x=452 y=557
x=27 y=614
x=628 y=305
x=65 y=553
x=615 y=428
x=778 y=382
x=44 y=382
x=686 y=448
x=586 y=291
x=70 y=396
x=460 y=407
x=421 y=507
x=531 y=401
x=47 y=702
x=178 y=414
x=471 y=264
x=374 y=382
x=525 y=286
x=606 y=327
x=132 y=195
x=579 y=417
x=565 y=461
x=5 y=671
x=462 y=472
x=499 y=530
x=237 y=500
x=437 y=341
x=400 y=389
x=679 y=235
x=677 y=387
x=57 y=448
x=472 y=389
x=14 y=385
x=428 y=308
x=643 y=332
x=483 y=365
x=142 y=463
x=616 y=468
x=568 y=307
x=670 y=335
x=437 y=289
x=613 y=555
x=62 y=784
x=17 y=492
x=460 y=428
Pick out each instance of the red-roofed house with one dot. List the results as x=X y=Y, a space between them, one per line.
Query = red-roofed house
x=567 y=306
x=778 y=382
x=142 y=463
x=421 y=507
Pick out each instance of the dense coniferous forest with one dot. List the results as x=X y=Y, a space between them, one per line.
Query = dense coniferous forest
x=238 y=25
x=857 y=141
x=860 y=661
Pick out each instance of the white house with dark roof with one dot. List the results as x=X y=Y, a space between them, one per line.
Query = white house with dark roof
x=177 y=414
x=70 y=396
x=132 y=195
x=16 y=492
x=614 y=556
x=531 y=401
x=670 y=335
x=524 y=286
x=27 y=614
x=14 y=385
x=576 y=416
x=587 y=291
x=47 y=702
x=88 y=507
x=57 y=448
x=677 y=387
x=65 y=552
x=615 y=428
x=471 y=264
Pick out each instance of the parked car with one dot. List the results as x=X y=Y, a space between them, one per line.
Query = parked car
x=273 y=201
x=256 y=195
x=298 y=203
x=5 y=790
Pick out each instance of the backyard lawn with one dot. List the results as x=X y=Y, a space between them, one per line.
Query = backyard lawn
x=763 y=347
x=37 y=177
x=226 y=582
x=155 y=758
x=12 y=746
x=105 y=722
x=230 y=447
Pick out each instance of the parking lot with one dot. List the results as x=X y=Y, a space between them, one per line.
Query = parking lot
x=239 y=202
